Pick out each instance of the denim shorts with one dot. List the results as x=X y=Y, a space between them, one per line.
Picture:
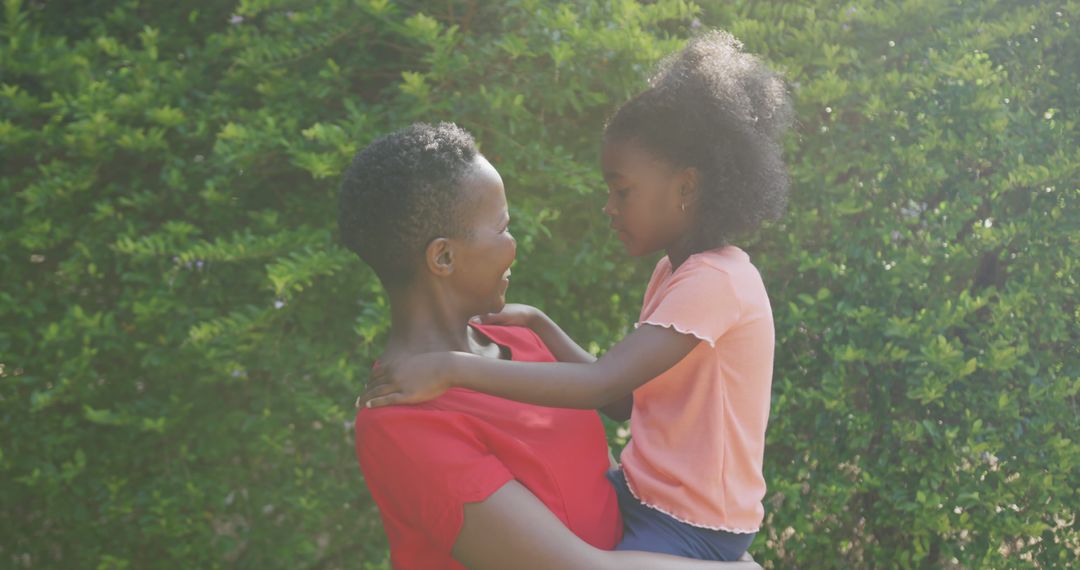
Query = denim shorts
x=645 y=528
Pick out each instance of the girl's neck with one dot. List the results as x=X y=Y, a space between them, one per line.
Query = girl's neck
x=686 y=246
x=680 y=251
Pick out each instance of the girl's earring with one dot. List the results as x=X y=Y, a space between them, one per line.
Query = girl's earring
x=684 y=206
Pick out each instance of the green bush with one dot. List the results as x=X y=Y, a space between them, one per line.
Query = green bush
x=925 y=285
x=182 y=338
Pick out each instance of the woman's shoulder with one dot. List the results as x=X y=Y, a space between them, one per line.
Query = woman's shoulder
x=524 y=344
x=423 y=430
x=392 y=421
x=506 y=334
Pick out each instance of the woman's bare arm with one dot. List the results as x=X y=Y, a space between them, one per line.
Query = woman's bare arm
x=512 y=528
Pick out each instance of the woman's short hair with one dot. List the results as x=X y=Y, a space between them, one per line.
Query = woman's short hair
x=402 y=191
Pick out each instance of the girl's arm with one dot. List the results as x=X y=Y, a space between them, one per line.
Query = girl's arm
x=561 y=345
x=513 y=527
x=640 y=357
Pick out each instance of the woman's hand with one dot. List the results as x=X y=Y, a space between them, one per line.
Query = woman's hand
x=513 y=314
x=411 y=380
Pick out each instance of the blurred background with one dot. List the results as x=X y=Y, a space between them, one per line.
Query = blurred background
x=182 y=338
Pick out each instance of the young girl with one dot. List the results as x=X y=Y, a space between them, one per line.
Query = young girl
x=690 y=163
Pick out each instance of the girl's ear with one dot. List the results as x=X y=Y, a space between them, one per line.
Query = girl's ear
x=439 y=257
x=688 y=189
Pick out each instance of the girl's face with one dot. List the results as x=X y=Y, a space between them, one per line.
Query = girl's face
x=648 y=199
x=482 y=260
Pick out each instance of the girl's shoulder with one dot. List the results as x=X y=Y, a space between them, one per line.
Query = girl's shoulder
x=728 y=259
x=722 y=257
x=727 y=269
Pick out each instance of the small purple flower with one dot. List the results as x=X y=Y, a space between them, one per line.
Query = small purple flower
x=695 y=24
x=236 y=19
x=278 y=303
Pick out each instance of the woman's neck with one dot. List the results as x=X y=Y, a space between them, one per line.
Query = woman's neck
x=422 y=321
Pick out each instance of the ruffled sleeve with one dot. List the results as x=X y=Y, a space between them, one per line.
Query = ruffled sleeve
x=699 y=299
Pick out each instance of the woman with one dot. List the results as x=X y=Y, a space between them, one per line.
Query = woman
x=469 y=480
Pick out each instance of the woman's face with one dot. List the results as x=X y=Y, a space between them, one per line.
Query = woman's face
x=483 y=257
x=645 y=201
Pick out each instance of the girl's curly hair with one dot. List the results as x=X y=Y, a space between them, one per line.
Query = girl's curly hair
x=722 y=111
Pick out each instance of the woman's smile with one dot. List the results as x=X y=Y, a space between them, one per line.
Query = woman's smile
x=488 y=244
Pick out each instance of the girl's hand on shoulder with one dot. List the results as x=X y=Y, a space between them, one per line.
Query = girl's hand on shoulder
x=410 y=380
x=513 y=314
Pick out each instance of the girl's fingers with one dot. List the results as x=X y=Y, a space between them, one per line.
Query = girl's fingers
x=496 y=319
x=379 y=377
x=379 y=390
x=388 y=400
x=375 y=392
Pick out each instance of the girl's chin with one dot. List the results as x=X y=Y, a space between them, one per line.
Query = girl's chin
x=630 y=246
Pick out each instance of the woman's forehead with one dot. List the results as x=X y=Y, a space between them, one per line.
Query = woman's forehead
x=483 y=187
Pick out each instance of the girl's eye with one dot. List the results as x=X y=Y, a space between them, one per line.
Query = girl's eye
x=621 y=193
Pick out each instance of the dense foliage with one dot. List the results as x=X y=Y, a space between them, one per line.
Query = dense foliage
x=182 y=338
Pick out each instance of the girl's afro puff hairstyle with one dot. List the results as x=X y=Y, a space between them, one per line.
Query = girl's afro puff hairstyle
x=722 y=111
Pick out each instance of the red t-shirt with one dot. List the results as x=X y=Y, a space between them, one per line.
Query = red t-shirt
x=423 y=462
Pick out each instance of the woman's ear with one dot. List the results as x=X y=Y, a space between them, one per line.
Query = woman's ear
x=439 y=257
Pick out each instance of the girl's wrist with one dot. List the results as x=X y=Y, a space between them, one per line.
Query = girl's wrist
x=451 y=373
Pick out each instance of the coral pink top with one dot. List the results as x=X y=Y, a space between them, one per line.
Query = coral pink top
x=698 y=429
